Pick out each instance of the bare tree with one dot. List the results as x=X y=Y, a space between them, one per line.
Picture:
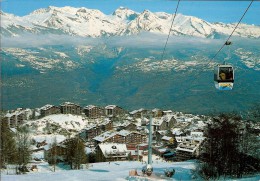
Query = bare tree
x=23 y=148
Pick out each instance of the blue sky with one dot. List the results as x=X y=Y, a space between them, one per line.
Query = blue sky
x=212 y=11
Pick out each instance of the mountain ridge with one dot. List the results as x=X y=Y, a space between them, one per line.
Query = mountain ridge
x=86 y=22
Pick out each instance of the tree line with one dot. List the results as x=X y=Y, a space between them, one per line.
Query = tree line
x=232 y=146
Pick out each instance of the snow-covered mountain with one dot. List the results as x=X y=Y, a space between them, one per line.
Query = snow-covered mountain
x=93 y=23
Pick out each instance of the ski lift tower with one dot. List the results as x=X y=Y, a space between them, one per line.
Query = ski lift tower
x=150 y=141
x=148 y=169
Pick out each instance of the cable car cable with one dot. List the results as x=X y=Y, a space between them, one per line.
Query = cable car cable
x=163 y=52
x=227 y=41
x=175 y=13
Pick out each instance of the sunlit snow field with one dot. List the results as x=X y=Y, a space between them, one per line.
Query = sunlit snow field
x=114 y=171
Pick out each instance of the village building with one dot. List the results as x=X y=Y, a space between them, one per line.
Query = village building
x=107 y=136
x=15 y=118
x=168 y=112
x=123 y=136
x=106 y=125
x=49 y=109
x=113 y=111
x=57 y=153
x=159 y=134
x=93 y=112
x=138 y=113
x=70 y=108
x=90 y=132
x=157 y=113
x=111 y=152
x=190 y=146
x=158 y=124
x=133 y=137
x=170 y=121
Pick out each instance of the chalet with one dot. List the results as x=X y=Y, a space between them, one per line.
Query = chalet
x=157 y=113
x=131 y=126
x=107 y=136
x=89 y=133
x=57 y=152
x=93 y=112
x=113 y=111
x=133 y=138
x=70 y=108
x=138 y=113
x=106 y=125
x=48 y=110
x=159 y=124
x=111 y=152
x=170 y=121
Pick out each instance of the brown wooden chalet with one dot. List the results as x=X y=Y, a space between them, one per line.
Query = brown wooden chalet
x=49 y=109
x=93 y=112
x=138 y=113
x=157 y=113
x=58 y=152
x=113 y=111
x=89 y=133
x=70 y=108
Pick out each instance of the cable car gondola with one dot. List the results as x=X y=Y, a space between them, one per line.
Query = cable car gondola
x=224 y=77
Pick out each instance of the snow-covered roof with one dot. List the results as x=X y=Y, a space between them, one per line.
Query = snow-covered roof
x=157 y=122
x=46 y=107
x=15 y=113
x=110 y=107
x=136 y=111
x=105 y=136
x=89 y=107
x=49 y=138
x=167 y=117
x=167 y=138
x=113 y=149
x=162 y=132
x=155 y=110
x=161 y=150
x=177 y=131
x=124 y=132
x=167 y=112
x=69 y=103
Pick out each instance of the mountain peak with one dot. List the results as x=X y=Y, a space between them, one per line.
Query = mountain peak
x=125 y=13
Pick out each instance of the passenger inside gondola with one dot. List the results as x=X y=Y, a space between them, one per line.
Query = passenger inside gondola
x=226 y=73
x=222 y=75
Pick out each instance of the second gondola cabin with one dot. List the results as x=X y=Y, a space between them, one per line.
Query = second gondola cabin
x=224 y=77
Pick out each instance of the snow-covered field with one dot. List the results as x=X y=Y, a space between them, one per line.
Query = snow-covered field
x=103 y=171
x=114 y=171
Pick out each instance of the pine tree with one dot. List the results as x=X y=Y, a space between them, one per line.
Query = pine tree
x=8 y=145
x=231 y=149
x=222 y=154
